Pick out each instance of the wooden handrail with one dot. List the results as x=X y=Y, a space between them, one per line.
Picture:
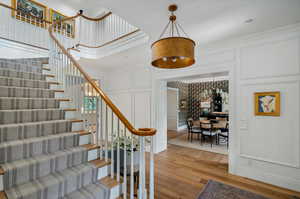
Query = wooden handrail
x=128 y=125
x=109 y=42
x=96 y=19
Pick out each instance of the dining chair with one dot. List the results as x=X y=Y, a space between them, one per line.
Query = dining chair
x=192 y=130
x=208 y=130
x=221 y=118
x=224 y=134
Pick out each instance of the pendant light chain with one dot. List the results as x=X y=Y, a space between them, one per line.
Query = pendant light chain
x=165 y=29
x=183 y=31
x=176 y=26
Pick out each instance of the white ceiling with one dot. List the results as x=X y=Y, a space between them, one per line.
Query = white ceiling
x=206 y=21
x=203 y=20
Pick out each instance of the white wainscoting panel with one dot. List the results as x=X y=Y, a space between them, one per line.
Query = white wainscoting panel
x=270 y=59
x=272 y=139
x=142 y=109
x=117 y=81
x=124 y=102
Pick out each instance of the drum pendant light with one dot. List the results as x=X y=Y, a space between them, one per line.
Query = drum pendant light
x=173 y=51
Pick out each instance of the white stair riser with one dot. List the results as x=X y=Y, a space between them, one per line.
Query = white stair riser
x=116 y=191
x=92 y=155
x=71 y=114
x=55 y=87
x=85 y=139
x=59 y=95
x=77 y=126
x=103 y=172
x=64 y=105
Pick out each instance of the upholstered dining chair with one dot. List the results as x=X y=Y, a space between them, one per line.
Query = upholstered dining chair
x=224 y=134
x=208 y=130
x=192 y=129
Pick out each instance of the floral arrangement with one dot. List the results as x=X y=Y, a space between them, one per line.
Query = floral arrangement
x=127 y=142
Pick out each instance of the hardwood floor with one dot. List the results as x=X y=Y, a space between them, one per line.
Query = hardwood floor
x=173 y=134
x=181 y=173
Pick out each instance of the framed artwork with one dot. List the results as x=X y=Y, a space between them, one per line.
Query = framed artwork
x=28 y=8
x=67 y=27
x=267 y=103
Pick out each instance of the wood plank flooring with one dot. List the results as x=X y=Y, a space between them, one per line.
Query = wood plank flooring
x=181 y=173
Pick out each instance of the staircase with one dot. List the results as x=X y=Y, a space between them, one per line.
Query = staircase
x=44 y=151
x=61 y=137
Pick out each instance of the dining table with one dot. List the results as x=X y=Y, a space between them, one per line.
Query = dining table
x=217 y=124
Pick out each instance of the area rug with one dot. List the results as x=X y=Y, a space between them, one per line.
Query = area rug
x=182 y=140
x=217 y=190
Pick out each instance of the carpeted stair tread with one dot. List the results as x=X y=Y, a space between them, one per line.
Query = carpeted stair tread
x=20 y=149
x=10 y=132
x=10 y=103
x=23 y=75
x=25 y=170
x=38 y=60
x=30 y=115
x=40 y=156
x=20 y=82
x=91 y=191
x=21 y=67
x=56 y=185
x=7 y=91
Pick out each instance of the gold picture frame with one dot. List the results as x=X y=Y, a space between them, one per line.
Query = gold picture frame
x=267 y=103
x=30 y=11
x=67 y=28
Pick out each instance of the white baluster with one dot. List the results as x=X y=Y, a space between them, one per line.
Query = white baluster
x=101 y=132
x=142 y=194
x=131 y=169
x=151 y=186
x=118 y=152
x=125 y=166
x=97 y=124
x=106 y=133
x=112 y=146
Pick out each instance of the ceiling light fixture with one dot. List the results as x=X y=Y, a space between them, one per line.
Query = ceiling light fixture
x=173 y=51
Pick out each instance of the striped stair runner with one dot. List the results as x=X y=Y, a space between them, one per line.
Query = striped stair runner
x=39 y=154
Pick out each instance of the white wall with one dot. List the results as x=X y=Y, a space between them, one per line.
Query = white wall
x=269 y=147
x=261 y=148
x=131 y=92
x=172 y=108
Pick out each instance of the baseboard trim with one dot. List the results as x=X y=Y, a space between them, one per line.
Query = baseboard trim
x=276 y=180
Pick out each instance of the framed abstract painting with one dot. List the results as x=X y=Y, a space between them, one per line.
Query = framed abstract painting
x=30 y=11
x=67 y=27
x=267 y=103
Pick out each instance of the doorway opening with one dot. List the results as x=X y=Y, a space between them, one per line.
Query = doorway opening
x=198 y=112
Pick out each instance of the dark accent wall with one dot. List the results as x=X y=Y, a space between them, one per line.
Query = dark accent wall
x=194 y=93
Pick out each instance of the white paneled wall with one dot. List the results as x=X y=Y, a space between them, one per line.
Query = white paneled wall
x=262 y=148
x=131 y=92
x=269 y=147
x=270 y=59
